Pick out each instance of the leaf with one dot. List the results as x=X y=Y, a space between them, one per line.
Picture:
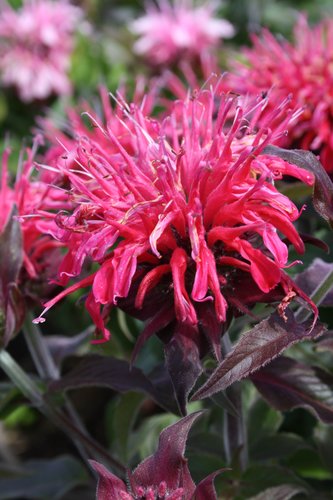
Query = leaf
x=258 y=478
x=256 y=348
x=309 y=279
x=276 y=446
x=183 y=362
x=325 y=343
x=124 y=416
x=269 y=419
x=40 y=479
x=12 y=308
x=287 y=384
x=282 y=492
x=11 y=252
x=105 y=371
x=323 y=186
x=323 y=435
x=61 y=347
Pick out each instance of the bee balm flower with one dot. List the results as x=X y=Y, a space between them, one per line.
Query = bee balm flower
x=302 y=69
x=184 y=222
x=35 y=47
x=172 y=30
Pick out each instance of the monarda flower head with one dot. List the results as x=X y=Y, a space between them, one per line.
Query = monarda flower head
x=185 y=222
x=36 y=42
x=302 y=69
x=172 y=30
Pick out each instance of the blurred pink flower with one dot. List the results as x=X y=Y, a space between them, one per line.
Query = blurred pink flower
x=172 y=30
x=35 y=47
x=302 y=69
x=181 y=215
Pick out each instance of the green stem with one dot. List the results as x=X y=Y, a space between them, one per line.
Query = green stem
x=234 y=431
x=317 y=296
x=35 y=395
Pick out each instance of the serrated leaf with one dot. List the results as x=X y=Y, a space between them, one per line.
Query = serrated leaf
x=323 y=186
x=40 y=479
x=105 y=371
x=287 y=384
x=255 y=349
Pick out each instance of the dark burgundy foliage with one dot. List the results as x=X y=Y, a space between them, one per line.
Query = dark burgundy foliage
x=287 y=384
x=256 y=348
x=106 y=371
x=309 y=279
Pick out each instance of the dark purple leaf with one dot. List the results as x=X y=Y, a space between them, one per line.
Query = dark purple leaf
x=256 y=348
x=205 y=489
x=95 y=370
x=168 y=463
x=183 y=362
x=286 y=384
x=323 y=187
x=61 y=347
x=309 y=279
x=109 y=486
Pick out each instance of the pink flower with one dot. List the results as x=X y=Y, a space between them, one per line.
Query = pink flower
x=301 y=69
x=171 y=30
x=182 y=217
x=164 y=475
x=36 y=43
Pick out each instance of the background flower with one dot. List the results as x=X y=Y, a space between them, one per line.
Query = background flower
x=172 y=30
x=303 y=70
x=36 y=45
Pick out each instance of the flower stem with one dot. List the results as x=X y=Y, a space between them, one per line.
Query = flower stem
x=234 y=431
x=34 y=393
x=317 y=296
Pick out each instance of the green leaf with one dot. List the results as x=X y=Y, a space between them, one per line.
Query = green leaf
x=44 y=479
x=262 y=420
x=277 y=446
x=124 y=416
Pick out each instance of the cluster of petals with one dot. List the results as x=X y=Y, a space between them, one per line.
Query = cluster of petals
x=302 y=69
x=36 y=42
x=170 y=30
x=30 y=201
x=181 y=214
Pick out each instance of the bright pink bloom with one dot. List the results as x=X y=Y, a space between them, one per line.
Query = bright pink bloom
x=36 y=44
x=302 y=69
x=162 y=476
x=172 y=30
x=184 y=220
